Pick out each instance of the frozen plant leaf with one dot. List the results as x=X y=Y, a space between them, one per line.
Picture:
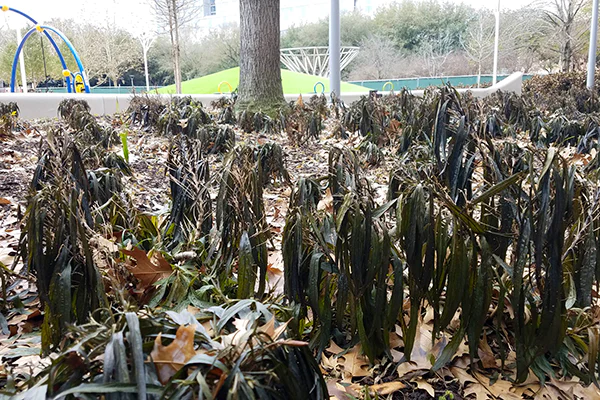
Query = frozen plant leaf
x=170 y=359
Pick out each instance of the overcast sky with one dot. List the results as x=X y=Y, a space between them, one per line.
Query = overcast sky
x=133 y=13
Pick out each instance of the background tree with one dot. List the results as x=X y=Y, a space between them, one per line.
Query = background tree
x=435 y=52
x=260 y=74
x=172 y=15
x=218 y=50
x=568 y=21
x=378 y=59
x=479 y=41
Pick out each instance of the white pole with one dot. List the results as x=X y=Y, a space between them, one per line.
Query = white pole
x=593 y=47
x=22 y=62
x=496 y=44
x=334 y=48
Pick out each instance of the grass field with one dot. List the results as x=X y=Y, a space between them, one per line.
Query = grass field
x=293 y=83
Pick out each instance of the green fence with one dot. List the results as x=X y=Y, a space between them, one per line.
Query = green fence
x=420 y=83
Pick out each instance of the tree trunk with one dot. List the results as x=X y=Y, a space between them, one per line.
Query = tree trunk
x=174 y=35
x=176 y=49
x=260 y=87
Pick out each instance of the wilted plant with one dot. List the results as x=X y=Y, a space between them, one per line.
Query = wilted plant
x=371 y=153
x=216 y=139
x=253 y=360
x=338 y=264
x=191 y=208
x=8 y=118
x=183 y=115
x=85 y=126
x=145 y=110
x=55 y=245
x=270 y=157
x=224 y=108
x=241 y=221
x=304 y=121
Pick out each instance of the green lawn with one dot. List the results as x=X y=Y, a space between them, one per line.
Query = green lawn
x=293 y=83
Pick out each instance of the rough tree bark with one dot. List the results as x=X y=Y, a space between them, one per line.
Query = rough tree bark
x=260 y=87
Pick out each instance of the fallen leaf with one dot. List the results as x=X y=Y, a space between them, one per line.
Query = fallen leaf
x=478 y=390
x=423 y=352
x=426 y=386
x=334 y=348
x=4 y=201
x=485 y=354
x=274 y=333
x=463 y=376
x=354 y=364
x=549 y=392
x=590 y=392
x=326 y=203
x=387 y=388
x=170 y=359
x=338 y=391
x=146 y=270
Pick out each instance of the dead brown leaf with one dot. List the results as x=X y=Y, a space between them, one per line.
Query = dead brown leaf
x=170 y=359
x=326 y=203
x=386 y=388
x=146 y=270
x=423 y=352
x=355 y=364
x=478 y=390
x=422 y=384
x=334 y=348
x=485 y=354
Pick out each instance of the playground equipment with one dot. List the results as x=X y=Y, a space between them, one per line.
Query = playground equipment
x=390 y=84
x=322 y=87
x=76 y=82
x=225 y=83
x=315 y=60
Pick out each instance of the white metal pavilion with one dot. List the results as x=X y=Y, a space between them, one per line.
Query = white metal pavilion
x=315 y=60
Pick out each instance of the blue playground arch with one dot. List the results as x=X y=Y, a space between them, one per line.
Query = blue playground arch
x=44 y=29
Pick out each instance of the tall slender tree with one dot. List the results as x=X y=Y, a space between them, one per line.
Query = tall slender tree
x=172 y=15
x=563 y=16
x=260 y=74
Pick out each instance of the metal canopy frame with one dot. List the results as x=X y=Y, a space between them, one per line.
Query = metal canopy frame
x=315 y=60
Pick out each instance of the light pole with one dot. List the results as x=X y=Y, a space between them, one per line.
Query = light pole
x=334 y=48
x=593 y=43
x=496 y=44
